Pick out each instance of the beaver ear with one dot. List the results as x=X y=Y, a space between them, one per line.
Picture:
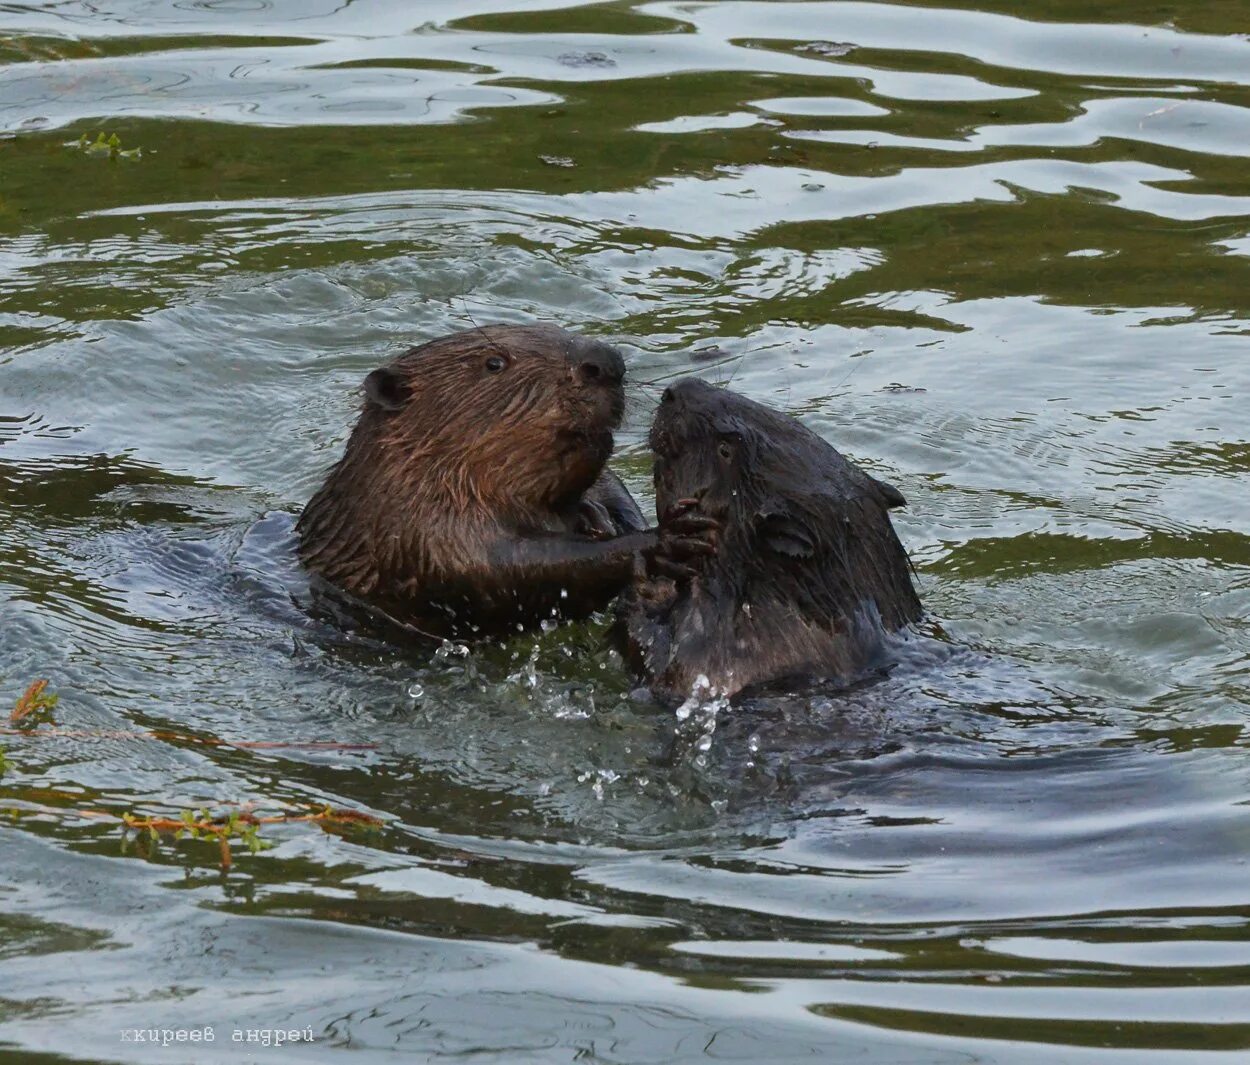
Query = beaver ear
x=780 y=532
x=386 y=388
x=890 y=495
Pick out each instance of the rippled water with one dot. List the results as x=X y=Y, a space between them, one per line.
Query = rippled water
x=996 y=253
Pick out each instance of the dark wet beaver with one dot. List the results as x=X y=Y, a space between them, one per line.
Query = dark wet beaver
x=473 y=498
x=809 y=575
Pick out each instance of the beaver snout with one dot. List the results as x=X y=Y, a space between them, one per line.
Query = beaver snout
x=692 y=392
x=599 y=365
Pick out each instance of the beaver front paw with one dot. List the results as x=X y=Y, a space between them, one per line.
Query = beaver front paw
x=594 y=521
x=686 y=540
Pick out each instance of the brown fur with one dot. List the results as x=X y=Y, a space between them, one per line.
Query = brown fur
x=809 y=577
x=460 y=501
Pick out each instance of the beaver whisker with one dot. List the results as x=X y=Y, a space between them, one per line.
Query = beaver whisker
x=490 y=343
x=673 y=374
x=639 y=401
x=736 y=359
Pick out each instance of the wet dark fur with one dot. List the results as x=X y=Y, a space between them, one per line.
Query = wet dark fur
x=809 y=575
x=474 y=499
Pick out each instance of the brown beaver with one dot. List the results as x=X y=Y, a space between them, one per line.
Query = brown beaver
x=808 y=577
x=472 y=498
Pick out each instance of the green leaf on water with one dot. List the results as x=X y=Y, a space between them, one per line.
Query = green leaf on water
x=109 y=145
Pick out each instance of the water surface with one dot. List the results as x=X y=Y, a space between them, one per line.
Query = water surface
x=995 y=252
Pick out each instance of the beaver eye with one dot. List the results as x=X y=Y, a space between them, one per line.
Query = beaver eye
x=496 y=364
x=725 y=449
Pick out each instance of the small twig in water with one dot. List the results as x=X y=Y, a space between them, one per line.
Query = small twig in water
x=35 y=699
x=178 y=737
x=241 y=824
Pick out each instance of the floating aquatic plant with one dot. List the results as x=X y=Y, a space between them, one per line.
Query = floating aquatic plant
x=36 y=698
x=110 y=145
x=240 y=825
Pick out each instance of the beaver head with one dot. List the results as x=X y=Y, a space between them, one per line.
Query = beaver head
x=467 y=439
x=512 y=417
x=809 y=571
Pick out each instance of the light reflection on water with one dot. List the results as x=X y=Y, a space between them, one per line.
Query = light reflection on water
x=999 y=261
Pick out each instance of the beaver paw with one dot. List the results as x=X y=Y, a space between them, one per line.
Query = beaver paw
x=593 y=520
x=686 y=540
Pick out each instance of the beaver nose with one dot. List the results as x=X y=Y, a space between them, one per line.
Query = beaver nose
x=600 y=366
x=689 y=392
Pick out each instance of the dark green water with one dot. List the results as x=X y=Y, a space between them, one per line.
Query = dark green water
x=999 y=253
